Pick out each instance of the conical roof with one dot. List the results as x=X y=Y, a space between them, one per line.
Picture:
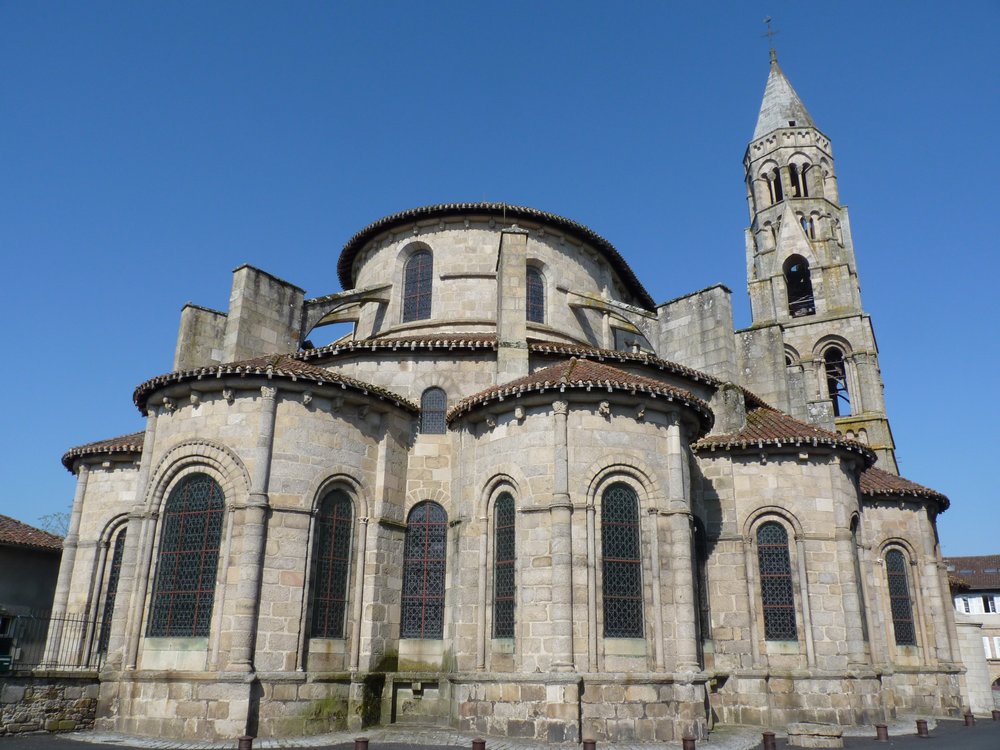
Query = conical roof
x=781 y=105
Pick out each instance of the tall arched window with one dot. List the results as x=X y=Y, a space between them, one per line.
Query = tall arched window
x=331 y=565
x=774 y=179
x=188 y=559
x=433 y=406
x=621 y=563
x=899 y=598
x=836 y=381
x=424 y=571
x=798 y=284
x=503 y=566
x=111 y=592
x=535 y=311
x=777 y=599
x=856 y=547
x=797 y=176
x=417 y=281
x=701 y=580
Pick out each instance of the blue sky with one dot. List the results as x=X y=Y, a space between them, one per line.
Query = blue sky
x=148 y=149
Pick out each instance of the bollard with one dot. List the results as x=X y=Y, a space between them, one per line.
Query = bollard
x=360 y=743
x=881 y=733
x=589 y=744
x=768 y=740
x=996 y=715
x=244 y=743
x=687 y=743
x=922 y=728
x=970 y=720
x=479 y=744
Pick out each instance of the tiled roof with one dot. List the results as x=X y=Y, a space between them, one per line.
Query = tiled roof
x=123 y=445
x=767 y=427
x=13 y=533
x=977 y=573
x=279 y=366
x=590 y=352
x=878 y=483
x=582 y=374
x=504 y=212
x=431 y=341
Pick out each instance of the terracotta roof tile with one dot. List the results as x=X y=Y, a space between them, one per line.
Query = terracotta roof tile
x=878 y=483
x=123 y=445
x=979 y=573
x=431 y=341
x=590 y=352
x=281 y=366
x=504 y=212
x=13 y=533
x=586 y=375
x=767 y=427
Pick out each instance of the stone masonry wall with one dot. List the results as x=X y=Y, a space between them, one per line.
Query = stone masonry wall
x=52 y=704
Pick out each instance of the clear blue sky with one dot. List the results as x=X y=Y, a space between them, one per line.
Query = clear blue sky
x=147 y=149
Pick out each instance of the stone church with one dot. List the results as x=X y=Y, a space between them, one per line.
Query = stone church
x=521 y=497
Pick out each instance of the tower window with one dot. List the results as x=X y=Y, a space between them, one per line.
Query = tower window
x=503 y=567
x=776 y=595
x=433 y=405
x=424 y=571
x=836 y=381
x=535 y=303
x=798 y=285
x=774 y=182
x=417 y=278
x=621 y=564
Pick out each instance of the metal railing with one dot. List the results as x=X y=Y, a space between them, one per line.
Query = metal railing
x=39 y=640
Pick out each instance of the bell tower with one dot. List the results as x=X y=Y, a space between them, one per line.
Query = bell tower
x=802 y=272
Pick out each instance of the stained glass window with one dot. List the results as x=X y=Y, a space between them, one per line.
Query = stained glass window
x=417 y=279
x=189 y=556
x=423 y=572
x=535 y=296
x=118 y=551
x=503 y=567
x=621 y=566
x=899 y=598
x=331 y=560
x=433 y=406
x=776 y=583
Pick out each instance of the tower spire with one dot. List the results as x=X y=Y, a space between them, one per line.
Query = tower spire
x=781 y=107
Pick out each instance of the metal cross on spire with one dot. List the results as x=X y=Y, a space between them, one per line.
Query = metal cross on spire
x=770 y=34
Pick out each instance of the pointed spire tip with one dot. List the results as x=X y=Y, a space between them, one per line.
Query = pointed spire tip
x=774 y=57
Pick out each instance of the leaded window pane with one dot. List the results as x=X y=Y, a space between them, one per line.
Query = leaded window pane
x=417 y=286
x=433 y=406
x=899 y=599
x=331 y=558
x=776 y=594
x=424 y=555
x=184 y=588
x=621 y=566
x=111 y=594
x=503 y=567
x=535 y=302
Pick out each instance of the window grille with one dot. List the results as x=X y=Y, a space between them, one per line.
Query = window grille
x=503 y=567
x=776 y=583
x=417 y=281
x=332 y=559
x=111 y=594
x=424 y=571
x=899 y=598
x=188 y=558
x=433 y=407
x=621 y=565
x=535 y=296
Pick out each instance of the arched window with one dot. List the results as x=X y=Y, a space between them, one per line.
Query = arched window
x=535 y=311
x=433 y=406
x=188 y=558
x=423 y=572
x=111 y=593
x=797 y=176
x=856 y=549
x=503 y=567
x=798 y=285
x=417 y=280
x=621 y=564
x=899 y=598
x=774 y=179
x=331 y=565
x=836 y=381
x=701 y=580
x=776 y=596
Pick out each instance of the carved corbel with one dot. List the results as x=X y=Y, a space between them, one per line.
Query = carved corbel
x=229 y=394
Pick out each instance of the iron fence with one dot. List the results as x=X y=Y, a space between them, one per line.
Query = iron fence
x=40 y=640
